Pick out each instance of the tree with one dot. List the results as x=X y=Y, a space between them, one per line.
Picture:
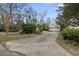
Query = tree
x=11 y=9
x=1 y=18
x=5 y=17
x=13 y=15
x=48 y=21
x=68 y=13
x=62 y=22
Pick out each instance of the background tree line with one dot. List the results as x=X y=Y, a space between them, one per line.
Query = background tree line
x=14 y=15
x=68 y=14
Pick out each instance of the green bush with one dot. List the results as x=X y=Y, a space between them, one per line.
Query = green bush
x=45 y=27
x=70 y=34
x=28 y=28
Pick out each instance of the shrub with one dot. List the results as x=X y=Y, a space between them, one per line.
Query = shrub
x=2 y=30
x=45 y=27
x=70 y=34
x=28 y=28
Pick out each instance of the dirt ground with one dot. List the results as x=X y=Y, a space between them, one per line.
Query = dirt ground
x=73 y=49
x=12 y=36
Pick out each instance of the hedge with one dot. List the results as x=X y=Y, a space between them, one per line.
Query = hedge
x=28 y=28
x=70 y=34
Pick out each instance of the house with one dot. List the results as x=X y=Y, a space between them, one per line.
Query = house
x=54 y=27
x=72 y=27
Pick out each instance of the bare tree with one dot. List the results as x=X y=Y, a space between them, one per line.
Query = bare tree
x=11 y=8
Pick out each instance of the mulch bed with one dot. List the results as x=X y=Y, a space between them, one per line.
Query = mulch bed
x=70 y=47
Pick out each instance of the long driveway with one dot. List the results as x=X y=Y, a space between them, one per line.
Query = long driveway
x=41 y=45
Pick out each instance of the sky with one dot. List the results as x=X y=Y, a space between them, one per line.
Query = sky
x=50 y=8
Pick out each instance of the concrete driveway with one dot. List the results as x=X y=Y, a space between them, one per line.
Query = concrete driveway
x=40 y=45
